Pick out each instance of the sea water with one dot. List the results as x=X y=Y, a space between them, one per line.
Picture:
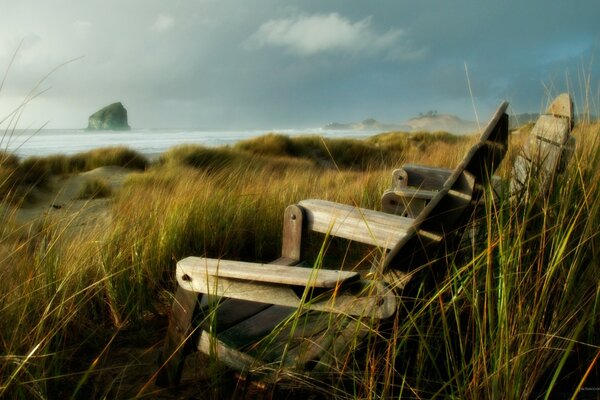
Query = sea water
x=149 y=142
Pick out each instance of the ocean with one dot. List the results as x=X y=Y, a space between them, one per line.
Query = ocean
x=149 y=142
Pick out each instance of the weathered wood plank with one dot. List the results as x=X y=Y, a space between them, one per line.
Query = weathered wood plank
x=253 y=329
x=415 y=193
x=562 y=106
x=293 y=333
x=308 y=351
x=226 y=312
x=221 y=313
x=268 y=273
x=426 y=178
x=400 y=202
x=233 y=358
x=292 y=233
x=354 y=223
x=357 y=299
x=175 y=348
x=337 y=354
x=546 y=155
x=550 y=129
x=547 y=151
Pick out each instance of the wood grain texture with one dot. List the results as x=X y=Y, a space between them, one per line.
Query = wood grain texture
x=354 y=223
x=426 y=178
x=550 y=129
x=268 y=273
x=175 y=347
x=359 y=298
x=233 y=358
x=547 y=151
x=401 y=202
x=256 y=327
x=226 y=312
x=291 y=246
x=562 y=106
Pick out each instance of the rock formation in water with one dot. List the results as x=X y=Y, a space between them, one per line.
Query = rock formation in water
x=112 y=117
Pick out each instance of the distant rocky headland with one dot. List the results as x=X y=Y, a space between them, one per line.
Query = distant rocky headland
x=430 y=121
x=368 y=124
x=112 y=117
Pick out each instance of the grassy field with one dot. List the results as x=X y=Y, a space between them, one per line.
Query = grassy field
x=82 y=307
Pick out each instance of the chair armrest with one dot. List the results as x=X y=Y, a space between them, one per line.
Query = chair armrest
x=346 y=294
x=268 y=273
x=420 y=176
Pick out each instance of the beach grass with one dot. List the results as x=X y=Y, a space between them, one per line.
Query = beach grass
x=515 y=316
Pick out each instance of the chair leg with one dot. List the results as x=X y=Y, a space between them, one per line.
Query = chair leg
x=177 y=344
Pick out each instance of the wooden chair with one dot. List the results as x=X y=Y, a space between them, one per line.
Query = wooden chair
x=547 y=151
x=545 y=154
x=284 y=318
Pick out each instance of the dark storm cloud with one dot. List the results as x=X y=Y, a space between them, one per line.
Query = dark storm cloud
x=265 y=64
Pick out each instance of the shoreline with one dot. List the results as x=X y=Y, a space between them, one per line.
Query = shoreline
x=148 y=142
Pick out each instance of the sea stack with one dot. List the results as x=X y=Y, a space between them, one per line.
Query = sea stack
x=112 y=117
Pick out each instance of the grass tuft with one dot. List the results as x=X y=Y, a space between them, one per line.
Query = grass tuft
x=94 y=188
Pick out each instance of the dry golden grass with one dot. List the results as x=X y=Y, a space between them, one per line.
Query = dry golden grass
x=64 y=299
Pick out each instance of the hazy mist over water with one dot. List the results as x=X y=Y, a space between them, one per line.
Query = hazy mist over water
x=149 y=142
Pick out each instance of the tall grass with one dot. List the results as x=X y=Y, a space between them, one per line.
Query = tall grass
x=516 y=316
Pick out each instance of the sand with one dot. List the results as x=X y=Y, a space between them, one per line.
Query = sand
x=59 y=200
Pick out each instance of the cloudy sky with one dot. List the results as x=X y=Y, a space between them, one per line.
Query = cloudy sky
x=268 y=64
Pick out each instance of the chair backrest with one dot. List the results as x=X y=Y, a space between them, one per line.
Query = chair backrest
x=449 y=211
x=547 y=151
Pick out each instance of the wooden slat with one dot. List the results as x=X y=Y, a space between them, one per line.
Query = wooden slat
x=394 y=202
x=293 y=333
x=353 y=223
x=547 y=151
x=179 y=330
x=415 y=193
x=222 y=313
x=550 y=129
x=227 y=312
x=426 y=178
x=497 y=129
x=268 y=273
x=562 y=106
x=338 y=354
x=233 y=358
x=358 y=299
x=545 y=155
x=309 y=351
x=292 y=233
x=256 y=327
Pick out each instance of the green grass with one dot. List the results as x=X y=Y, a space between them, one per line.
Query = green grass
x=516 y=316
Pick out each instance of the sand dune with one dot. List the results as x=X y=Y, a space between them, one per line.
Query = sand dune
x=60 y=199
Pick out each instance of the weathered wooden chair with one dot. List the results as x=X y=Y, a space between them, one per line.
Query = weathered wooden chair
x=549 y=148
x=280 y=318
x=545 y=154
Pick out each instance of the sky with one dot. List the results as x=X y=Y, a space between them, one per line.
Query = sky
x=274 y=64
